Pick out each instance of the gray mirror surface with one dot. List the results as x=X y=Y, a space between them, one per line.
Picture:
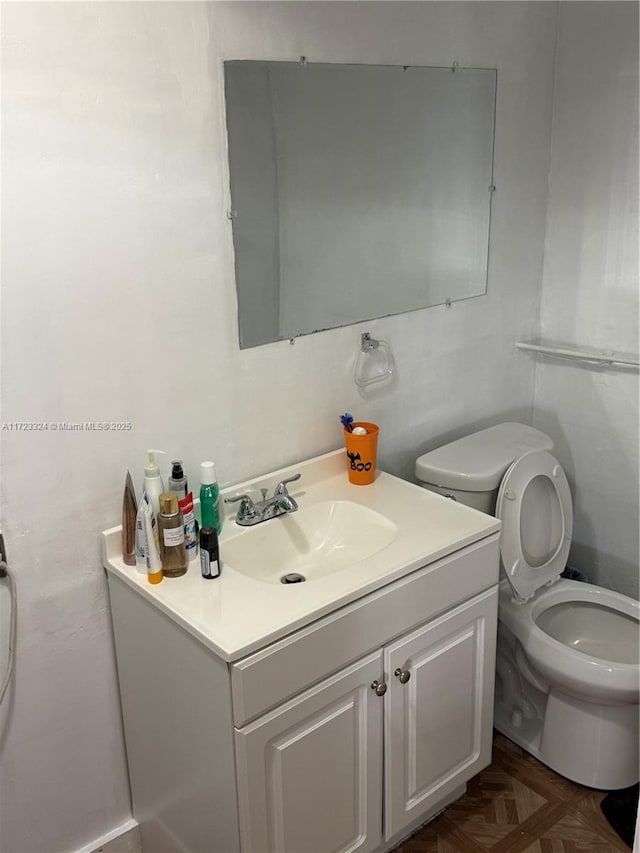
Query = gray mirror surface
x=357 y=191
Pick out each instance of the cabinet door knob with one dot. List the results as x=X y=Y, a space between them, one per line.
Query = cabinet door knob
x=379 y=687
x=403 y=674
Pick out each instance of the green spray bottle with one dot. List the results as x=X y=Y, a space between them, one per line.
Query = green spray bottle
x=210 y=513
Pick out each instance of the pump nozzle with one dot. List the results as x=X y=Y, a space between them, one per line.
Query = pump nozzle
x=151 y=469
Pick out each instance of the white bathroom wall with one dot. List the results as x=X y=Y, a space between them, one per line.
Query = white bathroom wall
x=590 y=284
x=119 y=306
x=518 y=39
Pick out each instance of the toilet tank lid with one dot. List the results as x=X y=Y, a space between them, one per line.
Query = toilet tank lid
x=478 y=462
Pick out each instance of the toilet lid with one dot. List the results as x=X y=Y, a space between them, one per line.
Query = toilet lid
x=534 y=504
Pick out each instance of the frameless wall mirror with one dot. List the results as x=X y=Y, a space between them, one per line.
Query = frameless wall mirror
x=357 y=191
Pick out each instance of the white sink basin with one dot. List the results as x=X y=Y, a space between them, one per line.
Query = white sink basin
x=316 y=541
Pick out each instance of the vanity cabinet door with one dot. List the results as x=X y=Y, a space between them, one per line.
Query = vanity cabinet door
x=439 y=709
x=310 y=772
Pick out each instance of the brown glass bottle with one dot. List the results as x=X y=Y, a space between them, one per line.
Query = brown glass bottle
x=171 y=536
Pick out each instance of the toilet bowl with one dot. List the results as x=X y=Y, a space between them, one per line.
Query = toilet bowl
x=576 y=651
x=568 y=669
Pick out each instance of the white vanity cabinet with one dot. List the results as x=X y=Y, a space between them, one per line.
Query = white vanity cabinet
x=313 y=774
x=343 y=735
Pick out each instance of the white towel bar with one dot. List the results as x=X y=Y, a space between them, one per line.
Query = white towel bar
x=600 y=359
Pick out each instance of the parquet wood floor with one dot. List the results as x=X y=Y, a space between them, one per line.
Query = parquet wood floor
x=517 y=805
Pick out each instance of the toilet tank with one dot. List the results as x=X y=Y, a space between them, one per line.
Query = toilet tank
x=470 y=469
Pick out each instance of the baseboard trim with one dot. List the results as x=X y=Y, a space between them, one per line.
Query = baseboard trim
x=123 y=839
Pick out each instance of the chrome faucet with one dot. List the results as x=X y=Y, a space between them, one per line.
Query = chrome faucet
x=281 y=503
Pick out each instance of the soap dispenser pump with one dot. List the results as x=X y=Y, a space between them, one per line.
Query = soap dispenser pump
x=177 y=480
x=153 y=485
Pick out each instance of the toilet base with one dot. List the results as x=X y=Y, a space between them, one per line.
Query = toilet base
x=594 y=745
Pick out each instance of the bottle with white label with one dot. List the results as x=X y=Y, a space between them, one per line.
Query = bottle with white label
x=171 y=536
x=209 y=554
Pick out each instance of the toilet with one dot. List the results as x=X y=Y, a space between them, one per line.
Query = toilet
x=567 y=669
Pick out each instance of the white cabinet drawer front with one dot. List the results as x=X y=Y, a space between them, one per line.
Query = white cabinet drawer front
x=266 y=678
x=310 y=773
x=438 y=723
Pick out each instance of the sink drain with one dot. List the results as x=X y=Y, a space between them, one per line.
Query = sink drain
x=292 y=577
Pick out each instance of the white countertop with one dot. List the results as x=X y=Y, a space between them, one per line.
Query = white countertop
x=234 y=615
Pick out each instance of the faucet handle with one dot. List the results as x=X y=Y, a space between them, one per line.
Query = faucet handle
x=246 y=509
x=281 y=488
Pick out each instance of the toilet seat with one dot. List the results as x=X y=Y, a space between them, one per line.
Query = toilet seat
x=535 y=507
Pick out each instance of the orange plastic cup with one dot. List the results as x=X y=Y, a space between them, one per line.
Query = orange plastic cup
x=362 y=451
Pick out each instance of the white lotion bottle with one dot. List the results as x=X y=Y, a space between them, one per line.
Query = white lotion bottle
x=153 y=484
